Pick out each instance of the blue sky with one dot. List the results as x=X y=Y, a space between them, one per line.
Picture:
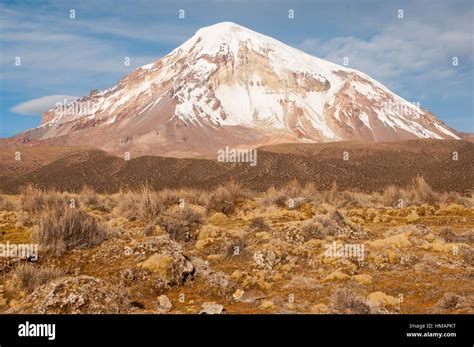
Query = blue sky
x=62 y=56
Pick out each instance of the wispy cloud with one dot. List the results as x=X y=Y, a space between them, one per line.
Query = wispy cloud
x=38 y=106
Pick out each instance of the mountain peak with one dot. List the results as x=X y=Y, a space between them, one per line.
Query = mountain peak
x=231 y=86
x=225 y=38
x=221 y=26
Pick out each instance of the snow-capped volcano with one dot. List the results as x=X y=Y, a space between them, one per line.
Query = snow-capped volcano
x=229 y=85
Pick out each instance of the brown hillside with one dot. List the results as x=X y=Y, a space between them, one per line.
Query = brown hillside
x=371 y=167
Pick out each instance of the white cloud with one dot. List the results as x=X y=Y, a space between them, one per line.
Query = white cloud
x=38 y=106
x=406 y=53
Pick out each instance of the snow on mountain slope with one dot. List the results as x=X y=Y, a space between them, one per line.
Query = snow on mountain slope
x=228 y=85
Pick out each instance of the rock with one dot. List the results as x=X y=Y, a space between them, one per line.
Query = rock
x=238 y=294
x=81 y=294
x=173 y=269
x=220 y=283
x=211 y=308
x=266 y=259
x=164 y=304
x=249 y=296
x=127 y=275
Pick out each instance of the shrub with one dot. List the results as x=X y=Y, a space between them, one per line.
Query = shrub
x=467 y=254
x=259 y=224
x=345 y=301
x=6 y=204
x=309 y=192
x=448 y=301
x=35 y=200
x=27 y=277
x=354 y=199
x=181 y=223
x=330 y=196
x=193 y=196
x=225 y=198
x=91 y=199
x=391 y=196
x=453 y=198
x=68 y=228
x=237 y=250
x=274 y=197
x=421 y=192
x=291 y=192
x=146 y=204
x=149 y=206
x=449 y=236
x=292 y=189
x=88 y=196
x=312 y=229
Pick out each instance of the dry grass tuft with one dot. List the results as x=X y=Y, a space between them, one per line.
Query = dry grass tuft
x=448 y=301
x=27 y=277
x=291 y=192
x=226 y=198
x=312 y=229
x=345 y=301
x=238 y=250
x=88 y=197
x=181 y=224
x=259 y=224
x=35 y=200
x=420 y=192
x=7 y=204
x=68 y=228
x=275 y=197
x=145 y=204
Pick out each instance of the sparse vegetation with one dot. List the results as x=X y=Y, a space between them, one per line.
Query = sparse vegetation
x=68 y=228
x=6 y=203
x=145 y=204
x=228 y=243
x=238 y=250
x=345 y=301
x=226 y=198
x=259 y=224
x=27 y=277
x=181 y=223
x=88 y=197
x=36 y=200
